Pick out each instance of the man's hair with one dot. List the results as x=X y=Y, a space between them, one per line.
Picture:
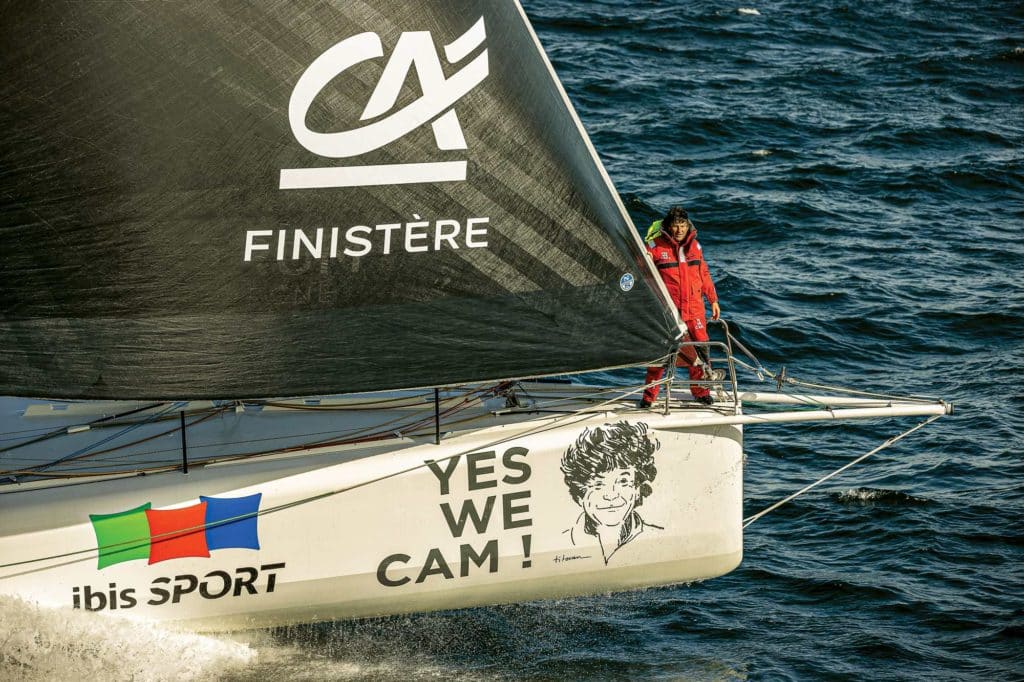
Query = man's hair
x=676 y=214
x=612 y=446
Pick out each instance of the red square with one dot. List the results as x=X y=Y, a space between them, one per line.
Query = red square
x=177 y=533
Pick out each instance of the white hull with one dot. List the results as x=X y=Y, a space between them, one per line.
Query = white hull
x=362 y=530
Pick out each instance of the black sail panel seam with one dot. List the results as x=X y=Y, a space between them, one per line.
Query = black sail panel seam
x=535 y=269
x=527 y=213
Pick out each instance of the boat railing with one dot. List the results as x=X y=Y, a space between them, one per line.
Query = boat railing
x=710 y=382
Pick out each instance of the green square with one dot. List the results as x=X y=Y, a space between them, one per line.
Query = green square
x=123 y=536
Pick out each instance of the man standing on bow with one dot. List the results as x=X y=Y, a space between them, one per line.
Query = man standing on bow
x=672 y=244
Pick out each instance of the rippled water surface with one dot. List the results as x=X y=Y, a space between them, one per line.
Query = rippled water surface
x=856 y=173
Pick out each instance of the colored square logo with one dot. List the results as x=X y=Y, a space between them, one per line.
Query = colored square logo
x=123 y=536
x=177 y=533
x=161 y=534
x=231 y=522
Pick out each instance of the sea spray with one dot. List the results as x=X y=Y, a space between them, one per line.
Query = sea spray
x=871 y=496
x=40 y=643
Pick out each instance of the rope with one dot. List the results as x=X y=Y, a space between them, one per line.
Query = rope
x=87 y=448
x=95 y=455
x=63 y=431
x=750 y=519
x=367 y=434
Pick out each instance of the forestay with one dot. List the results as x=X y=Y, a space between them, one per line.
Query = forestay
x=210 y=200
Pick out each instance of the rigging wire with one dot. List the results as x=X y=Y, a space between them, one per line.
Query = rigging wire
x=374 y=432
x=384 y=430
x=555 y=422
x=620 y=391
x=63 y=430
x=111 y=421
x=782 y=378
x=85 y=449
x=751 y=519
x=90 y=455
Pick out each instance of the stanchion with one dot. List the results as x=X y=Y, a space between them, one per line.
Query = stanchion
x=184 y=445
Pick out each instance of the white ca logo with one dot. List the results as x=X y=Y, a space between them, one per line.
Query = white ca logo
x=439 y=95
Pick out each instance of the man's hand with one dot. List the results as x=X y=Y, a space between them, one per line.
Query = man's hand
x=716 y=312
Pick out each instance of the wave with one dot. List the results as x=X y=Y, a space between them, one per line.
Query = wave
x=878 y=496
x=1014 y=55
x=824 y=588
x=970 y=324
x=936 y=137
x=41 y=643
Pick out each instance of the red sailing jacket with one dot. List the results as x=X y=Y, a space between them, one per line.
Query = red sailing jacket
x=685 y=272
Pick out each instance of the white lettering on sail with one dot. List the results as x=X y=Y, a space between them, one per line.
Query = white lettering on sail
x=472 y=232
x=415 y=236
x=439 y=95
x=251 y=245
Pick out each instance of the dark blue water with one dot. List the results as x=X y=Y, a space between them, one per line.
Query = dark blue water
x=856 y=174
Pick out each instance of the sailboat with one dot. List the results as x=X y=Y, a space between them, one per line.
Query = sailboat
x=284 y=287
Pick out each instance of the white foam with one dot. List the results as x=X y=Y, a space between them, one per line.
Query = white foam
x=761 y=152
x=38 y=643
x=749 y=10
x=861 y=495
x=350 y=653
x=879 y=495
x=281 y=663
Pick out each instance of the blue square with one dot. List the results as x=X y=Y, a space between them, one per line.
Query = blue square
x=241 y=533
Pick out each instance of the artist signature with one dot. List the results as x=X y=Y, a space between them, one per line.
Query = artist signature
x=569 y=557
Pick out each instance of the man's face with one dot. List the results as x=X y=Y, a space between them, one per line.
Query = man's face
x=678 y=229
x=610 y=496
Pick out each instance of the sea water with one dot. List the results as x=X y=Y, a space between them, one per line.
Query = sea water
x=856 y=174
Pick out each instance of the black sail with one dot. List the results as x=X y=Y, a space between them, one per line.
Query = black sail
x=223 y=199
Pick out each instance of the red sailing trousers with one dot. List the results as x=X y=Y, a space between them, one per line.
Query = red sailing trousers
x=687 y=358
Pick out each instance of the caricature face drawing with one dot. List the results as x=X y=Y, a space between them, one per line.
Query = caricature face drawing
x=609 y=471
x=610 y=496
